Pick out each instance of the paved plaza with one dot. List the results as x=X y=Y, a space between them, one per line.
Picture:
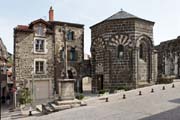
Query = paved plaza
x=160 y=105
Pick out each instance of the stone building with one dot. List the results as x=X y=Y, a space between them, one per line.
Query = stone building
x=39 y=54
x=3 y=75
x=169 y=58
x=123 y=52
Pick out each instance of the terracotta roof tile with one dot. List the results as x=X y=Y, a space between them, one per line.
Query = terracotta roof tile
x=23 y=27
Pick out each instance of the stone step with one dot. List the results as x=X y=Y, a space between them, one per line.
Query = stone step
x=83 y=103
x=67 y=102
x=39 y=108
x=44 y=108
x=60 y=107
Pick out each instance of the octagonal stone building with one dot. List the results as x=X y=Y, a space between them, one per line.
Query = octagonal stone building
x=123 y=53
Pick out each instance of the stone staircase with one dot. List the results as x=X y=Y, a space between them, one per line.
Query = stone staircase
x=59 y=105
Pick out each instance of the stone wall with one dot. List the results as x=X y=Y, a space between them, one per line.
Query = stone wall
x=169 y=58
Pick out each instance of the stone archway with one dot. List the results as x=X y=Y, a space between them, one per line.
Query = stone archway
x=86 y=84
x=144 y=55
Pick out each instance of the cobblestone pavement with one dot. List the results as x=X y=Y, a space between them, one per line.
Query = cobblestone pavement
x=160 y=105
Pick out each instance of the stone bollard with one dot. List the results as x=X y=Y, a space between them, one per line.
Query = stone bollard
x=152 y=90
x=124 y=96
x=30 y=111
x=140 y=93
x=173 y=86
x=107 y=99
x=163 y=88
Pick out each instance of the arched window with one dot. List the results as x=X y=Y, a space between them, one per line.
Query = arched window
x=120 y=51
x=141 y=51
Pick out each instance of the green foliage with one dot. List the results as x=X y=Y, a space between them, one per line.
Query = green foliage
x=126 y=88
x=25 y=96
x=103 y=91
x=165 y=80
x=79 y=96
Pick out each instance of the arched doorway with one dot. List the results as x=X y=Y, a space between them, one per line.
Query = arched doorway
x=86 y=84
x=144 y=59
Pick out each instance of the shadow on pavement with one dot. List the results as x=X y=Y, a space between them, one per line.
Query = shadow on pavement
x=176 y=101
x=173 y=114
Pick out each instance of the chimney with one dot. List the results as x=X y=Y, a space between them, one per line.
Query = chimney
x=51 y=14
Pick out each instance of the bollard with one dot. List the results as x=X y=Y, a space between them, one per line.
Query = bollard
x=124 y=96
x=140 y=93
x=173 y=86
x=107 y=99
x=152 y=90
x=30 y=111
x=163 y=88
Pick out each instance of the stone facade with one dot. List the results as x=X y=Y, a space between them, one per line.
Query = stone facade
x=39 y=55
x=3 y=75
x=122 y=52
x=26 y=55
x=169 y=58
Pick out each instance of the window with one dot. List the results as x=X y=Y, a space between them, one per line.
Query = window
x=39 y=46
x=72 y=54
x=120 y=51
x=39 y=67
x=141 y=51
x=70 y=35
x=40 y=30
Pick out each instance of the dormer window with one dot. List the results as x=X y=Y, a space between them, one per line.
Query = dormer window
x=40 y=30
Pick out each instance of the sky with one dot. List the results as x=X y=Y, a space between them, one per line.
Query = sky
x=165 y=14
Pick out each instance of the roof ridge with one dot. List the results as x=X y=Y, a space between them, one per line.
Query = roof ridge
x=121 y=15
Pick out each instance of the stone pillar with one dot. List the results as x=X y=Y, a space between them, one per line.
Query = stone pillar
x=67 y=89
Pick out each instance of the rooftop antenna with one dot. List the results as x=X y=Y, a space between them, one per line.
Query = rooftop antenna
x=44 y=17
